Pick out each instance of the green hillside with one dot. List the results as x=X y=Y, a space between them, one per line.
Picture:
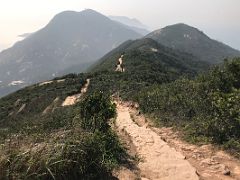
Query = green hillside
x=148 y=52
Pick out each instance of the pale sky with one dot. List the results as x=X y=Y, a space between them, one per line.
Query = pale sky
x=220 y=19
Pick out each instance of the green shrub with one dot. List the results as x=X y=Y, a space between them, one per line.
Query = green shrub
x=95 y=111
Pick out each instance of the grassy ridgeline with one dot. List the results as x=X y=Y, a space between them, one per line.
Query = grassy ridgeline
x=206 y=108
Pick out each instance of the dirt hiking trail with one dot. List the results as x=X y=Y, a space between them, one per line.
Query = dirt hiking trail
x=71 y=100
x=120 y=67
x=157 y=159
x=164 y=155
x=210 y=162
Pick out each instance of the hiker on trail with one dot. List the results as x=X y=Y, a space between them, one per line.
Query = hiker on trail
x=120 y=64
x=120 y=60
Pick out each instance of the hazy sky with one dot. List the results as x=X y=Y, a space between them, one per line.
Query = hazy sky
x=220 y=19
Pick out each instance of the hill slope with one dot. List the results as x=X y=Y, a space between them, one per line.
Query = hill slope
x=143 y=52
x=189 y=39
x=69 y=39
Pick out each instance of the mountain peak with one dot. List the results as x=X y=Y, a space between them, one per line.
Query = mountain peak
x=182 y=28
x=191 y=40
x=89 y=11
x=65 y=13
x=181 y=25
x=85 y=11
x=71 y=15
x=93 y=14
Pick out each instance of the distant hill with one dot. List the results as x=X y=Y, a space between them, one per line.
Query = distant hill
x=134 y=24
x=69 y=39
x=128 y=21
x=189 y=39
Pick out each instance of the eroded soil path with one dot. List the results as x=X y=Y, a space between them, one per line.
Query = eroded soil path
x=142 y=139
x=71 y=100
x=157 y=160
x=211 y=163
